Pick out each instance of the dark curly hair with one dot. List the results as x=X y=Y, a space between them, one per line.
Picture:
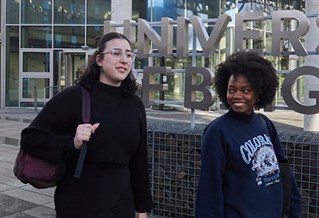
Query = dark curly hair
x=259 y=72
x=90 y=78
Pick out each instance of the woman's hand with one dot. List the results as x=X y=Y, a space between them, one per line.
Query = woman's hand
x=83 y=133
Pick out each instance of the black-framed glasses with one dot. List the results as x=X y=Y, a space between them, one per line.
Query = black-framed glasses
x=118 y=54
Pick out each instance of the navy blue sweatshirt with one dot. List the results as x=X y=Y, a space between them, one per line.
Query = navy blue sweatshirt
x=240 y=175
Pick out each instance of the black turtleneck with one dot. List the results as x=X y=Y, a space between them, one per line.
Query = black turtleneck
x=120 y=139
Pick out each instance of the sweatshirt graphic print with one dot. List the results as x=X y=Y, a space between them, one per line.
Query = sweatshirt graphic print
x=259 y=153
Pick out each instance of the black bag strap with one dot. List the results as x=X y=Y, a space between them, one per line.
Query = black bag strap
x=86 y=112
x=263 y=122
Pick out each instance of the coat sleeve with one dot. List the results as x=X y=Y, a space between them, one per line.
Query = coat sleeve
x=50 y=135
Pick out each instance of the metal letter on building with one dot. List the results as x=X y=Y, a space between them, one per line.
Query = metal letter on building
x=182 y=37
x=210 y=43
x=287 y=90
x=163 y=43
x=129 y=30
x=149 y=82
x=191 y=74
x=109 y=26
x=241 y=34
x=278 y=34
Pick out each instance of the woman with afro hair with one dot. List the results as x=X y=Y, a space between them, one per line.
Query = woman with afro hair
x=240 y=175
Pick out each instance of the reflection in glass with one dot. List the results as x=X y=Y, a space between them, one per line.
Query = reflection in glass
x=98 y=11
x=173 y=9
x=13 y=7
x=36 y=37
x=36 y=12
x=92 y=35
x=12 y=67
x=69 y=11
x=139 y=9
x=36 y=62
x=68 y=37
x=33 y=87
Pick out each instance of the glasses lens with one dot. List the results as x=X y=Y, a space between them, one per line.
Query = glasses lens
x=130 y=56
x=117 y=53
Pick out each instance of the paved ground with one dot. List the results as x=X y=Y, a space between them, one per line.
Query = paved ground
x=16 y=198
x=23 y=201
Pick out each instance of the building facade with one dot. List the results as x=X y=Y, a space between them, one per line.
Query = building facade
x=45 y=43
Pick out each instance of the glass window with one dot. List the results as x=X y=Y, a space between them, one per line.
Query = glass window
x=34 y=86
x=12 y=67
x=139 y=9
x=36 y=62
x=244 y=6
x=68 y=37
x=173 y=9
x=13 y=7
x=92 y=34
x=286 y=5
x=37 y=37
x=270 y=6
x=164 y=9
x=36 y=12
x=98 y=11
x=298 y=4
x=69 y=11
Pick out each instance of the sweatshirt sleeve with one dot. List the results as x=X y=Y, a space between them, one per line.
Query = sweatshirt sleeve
x=209 y=198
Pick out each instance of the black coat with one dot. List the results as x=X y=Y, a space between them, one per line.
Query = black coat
x=116 y=151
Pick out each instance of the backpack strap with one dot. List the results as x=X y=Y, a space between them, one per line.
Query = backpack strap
x=86 y=112
x=263 y=122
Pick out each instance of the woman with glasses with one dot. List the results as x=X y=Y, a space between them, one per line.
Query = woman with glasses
x=114 y=181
